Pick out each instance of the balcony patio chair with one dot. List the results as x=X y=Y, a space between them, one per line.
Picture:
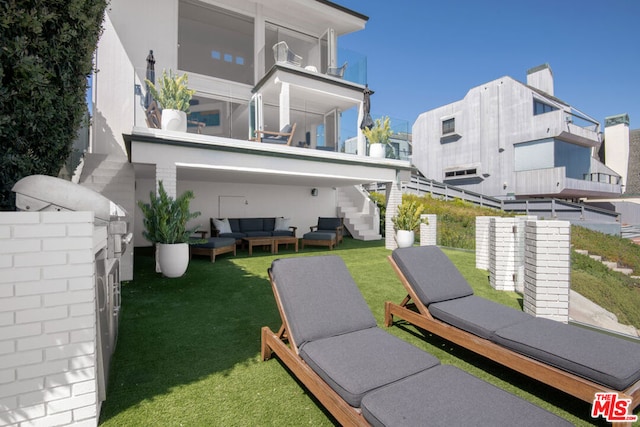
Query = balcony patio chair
x=578 y=361
x=282 y=53
x=328 y=232
x=285 y=136
x=330 y=342
x=337 y=71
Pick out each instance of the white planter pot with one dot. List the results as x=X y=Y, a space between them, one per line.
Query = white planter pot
x=378 y=150
x=173 y=259
x=175 y=120
x=404 y=238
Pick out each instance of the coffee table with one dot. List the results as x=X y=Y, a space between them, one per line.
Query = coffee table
x=281 y=240
x=258 y=241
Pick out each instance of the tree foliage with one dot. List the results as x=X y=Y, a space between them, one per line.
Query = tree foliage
x=46 y=53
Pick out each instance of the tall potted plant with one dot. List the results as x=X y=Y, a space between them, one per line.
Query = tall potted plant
x=378 y=137
x=407 y=221
x=165 y=221
x=173 y=96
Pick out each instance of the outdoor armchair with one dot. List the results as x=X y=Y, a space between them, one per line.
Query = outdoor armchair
x=283 y=137
x=363 y=375
x=578 y=361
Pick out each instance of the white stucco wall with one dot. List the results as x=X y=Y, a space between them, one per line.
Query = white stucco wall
x=616 y=149
x=131 y=29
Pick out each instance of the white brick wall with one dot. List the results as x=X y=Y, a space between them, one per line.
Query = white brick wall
x=547 y=269
x=394 y=198
x=429 y=231
x=502 y=253
x=47 y=319
x=482 y=242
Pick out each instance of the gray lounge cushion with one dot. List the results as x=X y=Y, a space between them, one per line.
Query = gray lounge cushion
x=358 y=362
x=447 y=396
x=477 y=315
x=432 y=275
x=320 y=298
x=611 y=361
x=319 y=235
x=216 y=242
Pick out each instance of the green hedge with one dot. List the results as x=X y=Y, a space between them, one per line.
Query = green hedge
x=45 y=57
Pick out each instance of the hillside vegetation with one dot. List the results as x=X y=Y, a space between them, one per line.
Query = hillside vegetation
x=616 y=292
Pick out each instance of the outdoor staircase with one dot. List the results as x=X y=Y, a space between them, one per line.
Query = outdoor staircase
x=360 y=214
x=113 y=177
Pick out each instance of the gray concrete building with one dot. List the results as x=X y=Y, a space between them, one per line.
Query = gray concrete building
x=510 y=139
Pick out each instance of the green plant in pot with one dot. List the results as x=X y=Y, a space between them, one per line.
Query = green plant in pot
x=407 y=222
x=165 y=221
x=173 y=95
x=378 y=137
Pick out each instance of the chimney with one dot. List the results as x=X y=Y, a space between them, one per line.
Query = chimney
x=616 y=145
x=541 y=78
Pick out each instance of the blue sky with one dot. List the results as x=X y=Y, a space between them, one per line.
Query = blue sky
x=423 y=54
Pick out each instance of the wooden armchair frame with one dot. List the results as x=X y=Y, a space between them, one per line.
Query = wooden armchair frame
x=259 y=134
x=412 y=310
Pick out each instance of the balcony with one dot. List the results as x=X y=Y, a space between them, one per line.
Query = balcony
x=553 y=182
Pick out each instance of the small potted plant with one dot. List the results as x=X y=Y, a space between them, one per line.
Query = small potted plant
x=173 y=96
x=407 y=221
x=378 y=137
x=165 y=221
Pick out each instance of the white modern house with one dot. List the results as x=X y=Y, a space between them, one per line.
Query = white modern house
x=510 y=139
x=256 y=65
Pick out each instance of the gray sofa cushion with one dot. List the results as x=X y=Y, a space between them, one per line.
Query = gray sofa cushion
x=477 y=315
x=611 y=361
x=358 y=362
x=236 y=235
x=328 y=223
x=447 y=396
x=432 y=275
x=258 y=233
x=251 y=224
x=328 y=304
x=319 y=235
x=216 y=242
x=235 y=225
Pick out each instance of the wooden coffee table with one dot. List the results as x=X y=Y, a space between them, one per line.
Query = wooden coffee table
x=258 y=241
x=281 y=240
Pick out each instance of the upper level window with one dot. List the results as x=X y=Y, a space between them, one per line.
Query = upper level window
x=540 y=107
x=448 y=126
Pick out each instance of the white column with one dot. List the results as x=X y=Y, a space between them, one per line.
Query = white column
x=394 y=198
x=429 y=231
x=284 y=105
x=502 y=253
x=168 y=175
x=547 y=269
x=482 y=242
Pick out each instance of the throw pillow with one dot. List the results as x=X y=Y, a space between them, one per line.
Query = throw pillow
x=282 y=224
x=222 y=225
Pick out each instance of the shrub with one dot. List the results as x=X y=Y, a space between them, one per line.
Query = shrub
x=45 y=57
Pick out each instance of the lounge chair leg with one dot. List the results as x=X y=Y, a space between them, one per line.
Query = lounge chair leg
x=388 y=317
x=265 y=350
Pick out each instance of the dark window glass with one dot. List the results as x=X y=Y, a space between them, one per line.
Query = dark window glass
x=448 y=126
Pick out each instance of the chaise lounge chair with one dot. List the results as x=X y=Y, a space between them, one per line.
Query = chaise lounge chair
x=362 y=374
x=575 y=360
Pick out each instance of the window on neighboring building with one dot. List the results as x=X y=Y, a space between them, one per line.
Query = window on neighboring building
x=448 y=126
x=540 y=107
x=460 y=173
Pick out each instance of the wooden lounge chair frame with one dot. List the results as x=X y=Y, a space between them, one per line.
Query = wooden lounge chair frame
x=412 y=310
x=287 y=351
x=261 y=133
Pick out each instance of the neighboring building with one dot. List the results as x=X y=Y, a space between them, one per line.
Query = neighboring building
x=509 y=139
x=255 y=65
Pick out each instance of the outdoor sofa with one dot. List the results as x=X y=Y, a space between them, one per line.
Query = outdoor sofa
x=239 y=228
x=329 y=231
x=578 y=361
x=362 y=374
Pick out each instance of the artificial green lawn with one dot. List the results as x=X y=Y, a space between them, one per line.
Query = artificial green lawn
x=188 y=351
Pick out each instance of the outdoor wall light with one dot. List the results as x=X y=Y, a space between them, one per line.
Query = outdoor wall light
x=314 y=192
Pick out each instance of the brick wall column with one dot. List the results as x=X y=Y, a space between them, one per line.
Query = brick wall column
x=168 y=175
x=429 y=231
x=482 y=242
x=502 y=253
x=394 y=198
x=48 y=367
x=547 y=269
